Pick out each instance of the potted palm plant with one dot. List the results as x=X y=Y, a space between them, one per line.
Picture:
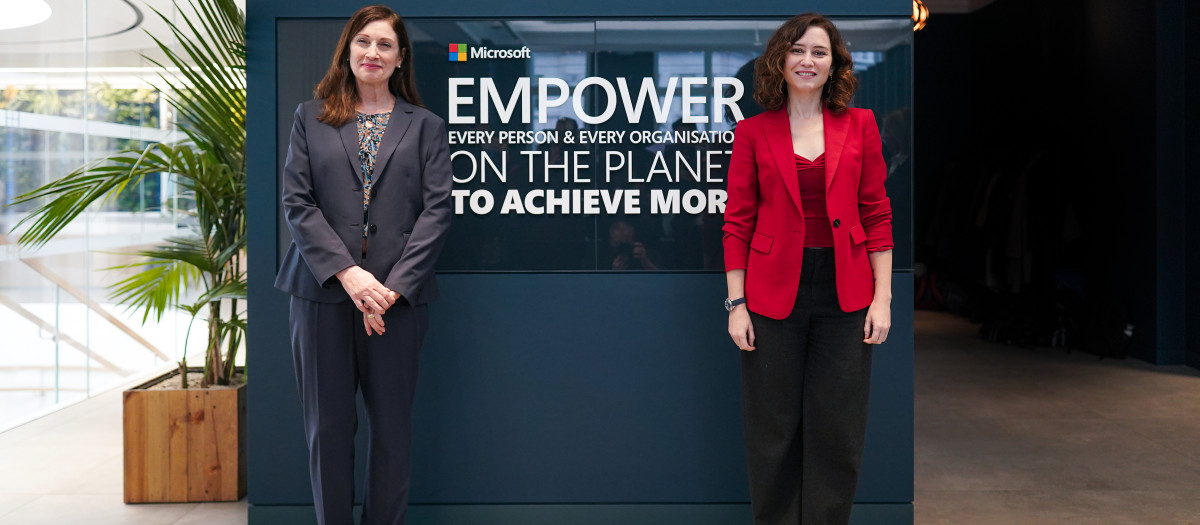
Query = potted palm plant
x=182 y=444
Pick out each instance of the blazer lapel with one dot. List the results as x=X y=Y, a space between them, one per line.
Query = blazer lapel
x=836 y=129
x=396 y=129
x=349 y=134
x=779 y=141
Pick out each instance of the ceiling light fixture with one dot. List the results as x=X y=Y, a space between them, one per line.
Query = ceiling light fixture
x=920 y=15
x=23 y=13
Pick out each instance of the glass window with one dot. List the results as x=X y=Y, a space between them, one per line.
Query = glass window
x=619 y=163
x=67 y=97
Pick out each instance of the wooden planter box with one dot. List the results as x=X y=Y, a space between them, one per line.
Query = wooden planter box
x=184 y=445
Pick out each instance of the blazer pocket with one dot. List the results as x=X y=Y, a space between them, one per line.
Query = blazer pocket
x=857 y=235
x=761 y=243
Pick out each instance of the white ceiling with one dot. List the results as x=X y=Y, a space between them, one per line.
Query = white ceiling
x=115 y=29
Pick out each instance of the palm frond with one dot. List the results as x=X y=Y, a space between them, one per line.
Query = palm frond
x=189 y=250
x=208 y=91
x=225 y=290
x=158 y=285
x=96 y=181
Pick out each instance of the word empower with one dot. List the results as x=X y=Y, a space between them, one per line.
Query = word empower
x=691 y=92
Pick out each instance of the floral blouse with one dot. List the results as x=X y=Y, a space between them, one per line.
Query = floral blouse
x=370 y=132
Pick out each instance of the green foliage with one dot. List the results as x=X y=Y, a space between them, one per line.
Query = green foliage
x=208 y=94
x=134 y=107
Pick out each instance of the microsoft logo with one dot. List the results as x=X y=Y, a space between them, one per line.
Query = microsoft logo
x=459 y=52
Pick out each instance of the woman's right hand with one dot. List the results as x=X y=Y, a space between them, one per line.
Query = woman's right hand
x=368 y=294
x=373 y=324
x=740 y=328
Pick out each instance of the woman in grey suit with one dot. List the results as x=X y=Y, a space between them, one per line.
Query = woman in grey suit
x=366 y=195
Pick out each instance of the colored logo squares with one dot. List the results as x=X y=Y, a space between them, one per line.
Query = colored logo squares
x=458 y=52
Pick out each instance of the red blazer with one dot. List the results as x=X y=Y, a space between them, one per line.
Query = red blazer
x=764 y=222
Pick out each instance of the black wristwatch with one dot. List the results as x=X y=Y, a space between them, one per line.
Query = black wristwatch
x=730 y=304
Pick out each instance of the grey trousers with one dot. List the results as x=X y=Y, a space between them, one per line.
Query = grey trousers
x=804 y=404
x=334 y=358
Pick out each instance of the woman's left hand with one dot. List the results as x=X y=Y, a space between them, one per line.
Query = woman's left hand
x=879 y=322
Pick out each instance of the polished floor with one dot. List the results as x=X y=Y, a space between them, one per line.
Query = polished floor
x=65 y=469
x=1004 y=435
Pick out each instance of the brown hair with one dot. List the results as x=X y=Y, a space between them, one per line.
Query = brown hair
x=339 y=88
x=770 y=88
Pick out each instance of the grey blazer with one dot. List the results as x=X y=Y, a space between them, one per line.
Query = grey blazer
x=323 y=204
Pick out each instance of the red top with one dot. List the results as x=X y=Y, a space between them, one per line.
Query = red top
x=811 y=173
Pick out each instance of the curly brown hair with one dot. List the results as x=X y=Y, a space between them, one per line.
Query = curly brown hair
x=770 y=88
x=339 y=88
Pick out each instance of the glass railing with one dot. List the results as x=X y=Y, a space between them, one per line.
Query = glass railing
x=76 y=87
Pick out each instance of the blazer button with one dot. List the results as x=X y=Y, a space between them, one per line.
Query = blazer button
x=374 y=228
x=836 y=223
x=373 y=192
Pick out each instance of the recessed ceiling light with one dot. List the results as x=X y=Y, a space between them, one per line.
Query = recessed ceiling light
x=23 y=13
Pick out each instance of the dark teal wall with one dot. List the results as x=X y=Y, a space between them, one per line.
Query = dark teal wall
x=582 y=388
x=1191 y=172
x=1171 y=195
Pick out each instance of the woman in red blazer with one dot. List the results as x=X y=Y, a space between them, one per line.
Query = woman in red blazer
x=808 y=263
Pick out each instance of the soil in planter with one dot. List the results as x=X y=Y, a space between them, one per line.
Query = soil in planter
x=174 y=383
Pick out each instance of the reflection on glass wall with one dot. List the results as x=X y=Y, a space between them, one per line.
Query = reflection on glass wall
x=67 y=96
x=605 y=149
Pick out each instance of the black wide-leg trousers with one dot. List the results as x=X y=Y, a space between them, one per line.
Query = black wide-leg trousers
x=334 y=358
x=804 y=404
